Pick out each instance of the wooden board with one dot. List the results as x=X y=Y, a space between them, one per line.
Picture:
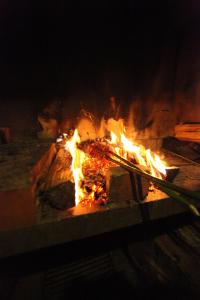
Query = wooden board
x=188 y=132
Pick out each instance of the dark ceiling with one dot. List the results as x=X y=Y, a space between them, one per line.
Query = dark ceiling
x=51 y=48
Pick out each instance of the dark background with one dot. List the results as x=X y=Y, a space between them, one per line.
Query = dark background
x=144 y=51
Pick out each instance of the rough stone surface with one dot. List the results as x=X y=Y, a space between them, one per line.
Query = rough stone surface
x=61 y=196
x=118 y=185
x=17 y=158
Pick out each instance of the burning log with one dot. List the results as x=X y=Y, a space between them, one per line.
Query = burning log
x=52 y=178
x=41 y=169
x=188 y=132
x=59 y=170
x=90 y=183
x=53 y=168
x=91 y=165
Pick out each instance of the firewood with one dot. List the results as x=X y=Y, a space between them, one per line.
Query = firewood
x=52 y=179
x=188 y=132
x=52 y=169
x=60 y=169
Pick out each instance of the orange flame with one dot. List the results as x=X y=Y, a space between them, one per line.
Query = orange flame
x=145 y=157
x=121 y=144
x=78 y=158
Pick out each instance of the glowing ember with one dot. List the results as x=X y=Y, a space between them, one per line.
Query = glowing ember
x=89 y=165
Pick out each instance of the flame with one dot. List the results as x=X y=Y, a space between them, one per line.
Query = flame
x=156 y=164
x=133 y=149
x=113 y=138
x=82 y=164
x=145 y=157
x=78 y=158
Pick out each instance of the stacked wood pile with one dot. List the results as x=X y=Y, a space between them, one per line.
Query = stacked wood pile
x=188 y=132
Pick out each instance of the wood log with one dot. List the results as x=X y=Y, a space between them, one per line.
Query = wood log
x=60 y=169
x=52 y=169
x=52 y=179
x=188 y=132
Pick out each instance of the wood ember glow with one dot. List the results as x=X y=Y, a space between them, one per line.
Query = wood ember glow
x=78 y=158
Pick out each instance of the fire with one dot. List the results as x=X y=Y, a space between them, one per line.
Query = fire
x=131 y=148
x=89 y=172
x=78 y=158
x=145 y=157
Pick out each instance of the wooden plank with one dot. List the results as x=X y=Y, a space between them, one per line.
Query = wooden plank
x=170 y=259
x=189 y=132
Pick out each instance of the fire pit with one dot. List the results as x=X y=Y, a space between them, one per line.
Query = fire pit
x=87 y=167
x=93 y=179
